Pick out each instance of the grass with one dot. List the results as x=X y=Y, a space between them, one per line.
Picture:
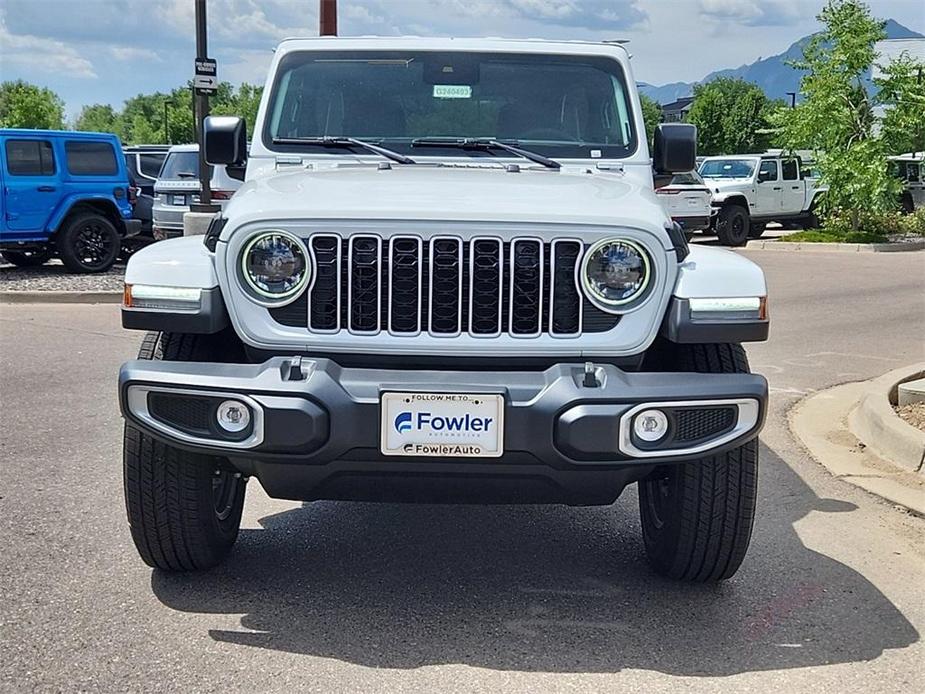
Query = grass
x=823 y=236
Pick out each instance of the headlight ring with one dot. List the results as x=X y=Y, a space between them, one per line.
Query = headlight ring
x=275 y=267
x=615 y=272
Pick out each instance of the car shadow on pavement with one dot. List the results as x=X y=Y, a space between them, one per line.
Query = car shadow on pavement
x=538 y=588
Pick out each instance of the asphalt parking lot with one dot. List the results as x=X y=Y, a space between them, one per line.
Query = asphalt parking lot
x=360 y=597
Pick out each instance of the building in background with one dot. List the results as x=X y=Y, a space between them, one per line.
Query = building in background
x=676 y=111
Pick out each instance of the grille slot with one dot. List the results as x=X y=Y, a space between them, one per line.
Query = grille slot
x=365 y=283
x=187 y=413
x=694 y=424
x=443 y=286
x=446 y=260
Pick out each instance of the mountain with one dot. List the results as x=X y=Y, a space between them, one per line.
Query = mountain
x=772 y=74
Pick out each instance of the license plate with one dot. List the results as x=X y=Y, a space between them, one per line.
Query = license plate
x=442 y=425
x=177 y=199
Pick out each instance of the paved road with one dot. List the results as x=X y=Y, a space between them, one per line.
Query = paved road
x=341 y=597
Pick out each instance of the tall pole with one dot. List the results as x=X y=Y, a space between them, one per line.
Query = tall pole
x=201 y=105
x=327 y=16
x=166 y=129
x=793 y=99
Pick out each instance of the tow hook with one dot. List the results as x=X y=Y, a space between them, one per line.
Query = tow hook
x=590 y=380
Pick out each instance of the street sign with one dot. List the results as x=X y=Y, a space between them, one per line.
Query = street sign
x=206 y=79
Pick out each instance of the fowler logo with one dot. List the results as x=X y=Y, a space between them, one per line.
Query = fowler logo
x=405 y=421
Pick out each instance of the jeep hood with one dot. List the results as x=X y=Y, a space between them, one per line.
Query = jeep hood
x=429 y=193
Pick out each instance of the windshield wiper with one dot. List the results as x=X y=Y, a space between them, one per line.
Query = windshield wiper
x=345 y=143
x=485 y=143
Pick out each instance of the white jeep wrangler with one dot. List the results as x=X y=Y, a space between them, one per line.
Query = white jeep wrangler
x=750 y=190
x=446 y=278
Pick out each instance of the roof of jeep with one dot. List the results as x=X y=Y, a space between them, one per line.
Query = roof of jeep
x=445 y=43
x=70 y=134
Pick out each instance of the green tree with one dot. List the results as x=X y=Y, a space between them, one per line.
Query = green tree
x=836 y=120
x=244 y=102
x=100 y=118
x=902 y=93
x=651 y=114
x=24 y=105
x=732 y=117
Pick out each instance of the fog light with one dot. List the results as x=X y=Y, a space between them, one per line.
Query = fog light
x=233 y=416
x=650 y=425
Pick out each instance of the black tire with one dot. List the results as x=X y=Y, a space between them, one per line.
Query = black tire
x=697 y=517
x=88 y=242
x=28 y=258
x=732 y=225
x=184 y=509
x=756 y=229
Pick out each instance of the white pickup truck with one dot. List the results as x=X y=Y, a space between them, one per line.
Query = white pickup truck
x=750 y=190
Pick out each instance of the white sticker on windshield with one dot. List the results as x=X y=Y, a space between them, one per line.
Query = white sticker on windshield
x=452 y=91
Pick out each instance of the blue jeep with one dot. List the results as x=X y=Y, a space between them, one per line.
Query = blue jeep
x=66 y=194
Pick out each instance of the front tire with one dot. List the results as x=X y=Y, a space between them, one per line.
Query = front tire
x=697 y=517
x=756 y=229
x=184 y=509
x=732 y=225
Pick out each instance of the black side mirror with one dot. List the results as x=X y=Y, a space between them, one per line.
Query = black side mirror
x=225 y=140
x=764 y=176
x=675 y=149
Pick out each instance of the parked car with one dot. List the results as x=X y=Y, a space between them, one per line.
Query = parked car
x=688 y=200
x=143 y=163
x=910 y=168
x=750 y=190
x=459 y=318
x=178 y=186
x=64 y=193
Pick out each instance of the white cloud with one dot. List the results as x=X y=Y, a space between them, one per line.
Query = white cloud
x=129 y=53
x=757 y=12
x=43 y=54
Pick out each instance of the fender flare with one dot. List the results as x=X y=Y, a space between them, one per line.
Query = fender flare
x=67 y=204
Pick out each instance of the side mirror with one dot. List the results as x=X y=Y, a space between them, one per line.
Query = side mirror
x=675 y=149
x=225 y=140
x=764 y=176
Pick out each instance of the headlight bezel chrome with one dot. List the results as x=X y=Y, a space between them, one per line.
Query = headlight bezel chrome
x=616 y=306
x=259 y=295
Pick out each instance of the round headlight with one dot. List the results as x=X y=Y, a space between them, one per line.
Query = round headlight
x=275 y=266
x=614 y=272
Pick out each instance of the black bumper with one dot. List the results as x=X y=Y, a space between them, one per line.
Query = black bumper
x=316 y=429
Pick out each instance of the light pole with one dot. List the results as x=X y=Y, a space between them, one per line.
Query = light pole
x=793 y=99
x=327 y=18
x=167 y=102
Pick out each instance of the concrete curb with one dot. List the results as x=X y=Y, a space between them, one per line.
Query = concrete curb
x=772 y=245
x=820 y=423
x=876 y=423
x=61 y=297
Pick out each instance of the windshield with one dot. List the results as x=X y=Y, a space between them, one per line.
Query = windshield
x=727 y=168
x=181 y=166
x=559 y=106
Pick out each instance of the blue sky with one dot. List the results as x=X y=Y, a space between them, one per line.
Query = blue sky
x=104 y=51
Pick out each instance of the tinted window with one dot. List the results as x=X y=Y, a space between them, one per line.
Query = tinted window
x=790 y=170
x=686 y=179
x=90 y=158
x=768 y=171
x=556 y=105
x=183 y=166
x=151 y=164
x=727 y=168
x=29 y=158
x=912 y=173
x=130 y=165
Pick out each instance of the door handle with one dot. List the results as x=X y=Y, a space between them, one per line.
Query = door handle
x=46 y=189
x=776 y=188
x=794 y=187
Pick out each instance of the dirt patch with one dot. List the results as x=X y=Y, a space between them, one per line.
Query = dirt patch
x=913 y=414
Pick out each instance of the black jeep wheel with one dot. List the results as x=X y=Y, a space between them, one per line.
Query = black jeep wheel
x=732 y=225
x=756 y=229
x=28 y=258
x=697 y=517
x=184 y=509
x=89 y=243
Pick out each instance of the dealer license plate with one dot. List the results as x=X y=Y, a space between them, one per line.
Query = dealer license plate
x=442 y=425
x=177 y=199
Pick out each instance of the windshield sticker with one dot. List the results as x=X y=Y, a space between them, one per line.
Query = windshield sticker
x=452 y=91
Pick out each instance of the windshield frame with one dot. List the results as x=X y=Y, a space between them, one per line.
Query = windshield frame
x=753 y=162
x=402 y=145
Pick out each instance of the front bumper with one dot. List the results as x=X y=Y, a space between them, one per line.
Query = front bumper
x=315 y=430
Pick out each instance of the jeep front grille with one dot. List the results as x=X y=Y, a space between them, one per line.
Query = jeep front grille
x=444 y=286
